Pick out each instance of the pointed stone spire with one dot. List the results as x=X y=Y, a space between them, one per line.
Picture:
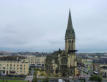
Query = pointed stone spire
x=70 y=31
x=69 y=21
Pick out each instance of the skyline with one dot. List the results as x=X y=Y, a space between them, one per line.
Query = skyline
x=41 y=25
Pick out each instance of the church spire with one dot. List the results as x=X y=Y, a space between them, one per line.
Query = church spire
x=70 y=31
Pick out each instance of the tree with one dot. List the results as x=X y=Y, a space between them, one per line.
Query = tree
x=96 y=78
x=45 y=80
x=35 y=77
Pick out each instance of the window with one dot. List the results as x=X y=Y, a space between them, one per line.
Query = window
x=64 y=60
x=3 y=67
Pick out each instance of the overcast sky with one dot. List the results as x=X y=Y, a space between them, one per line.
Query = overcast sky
x=40 y=25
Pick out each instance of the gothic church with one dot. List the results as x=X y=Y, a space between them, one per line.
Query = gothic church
x=63 y=62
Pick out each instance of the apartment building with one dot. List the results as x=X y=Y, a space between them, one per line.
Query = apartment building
x=37 y=61
x=13 y=65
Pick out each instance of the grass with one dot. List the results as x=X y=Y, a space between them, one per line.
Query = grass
x=13 y=81
x=13 y=78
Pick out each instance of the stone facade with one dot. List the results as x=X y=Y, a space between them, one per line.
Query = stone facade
x=13 y=66
x=36 y=60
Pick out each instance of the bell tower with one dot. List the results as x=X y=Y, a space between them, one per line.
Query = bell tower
x=70 y=47
x=69 y=36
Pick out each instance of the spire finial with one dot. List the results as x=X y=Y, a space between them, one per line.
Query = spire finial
x=69 y=13
x=69 y=10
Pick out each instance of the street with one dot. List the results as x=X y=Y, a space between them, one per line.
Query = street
x=30 y=77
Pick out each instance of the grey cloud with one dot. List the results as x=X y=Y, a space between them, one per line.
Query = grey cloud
x=39 y=25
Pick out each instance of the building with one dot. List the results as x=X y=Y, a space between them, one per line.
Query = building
x=100 y=66
x=86 y=64
x=31 y=59
x=64 y=62
x=15 y=65
x=21 y=64
x=37 y=61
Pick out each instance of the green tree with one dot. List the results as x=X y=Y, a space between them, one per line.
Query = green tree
x=45 y=80
x=35 y=76
x=96 y=78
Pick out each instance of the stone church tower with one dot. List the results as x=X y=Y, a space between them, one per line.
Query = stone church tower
x=69 y=36
x=70 y=47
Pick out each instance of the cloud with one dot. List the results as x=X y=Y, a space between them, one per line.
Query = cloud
x=40 y=25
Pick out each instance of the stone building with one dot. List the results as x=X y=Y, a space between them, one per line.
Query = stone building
x=15 y=65
x=63 y=62
x=37 y=61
